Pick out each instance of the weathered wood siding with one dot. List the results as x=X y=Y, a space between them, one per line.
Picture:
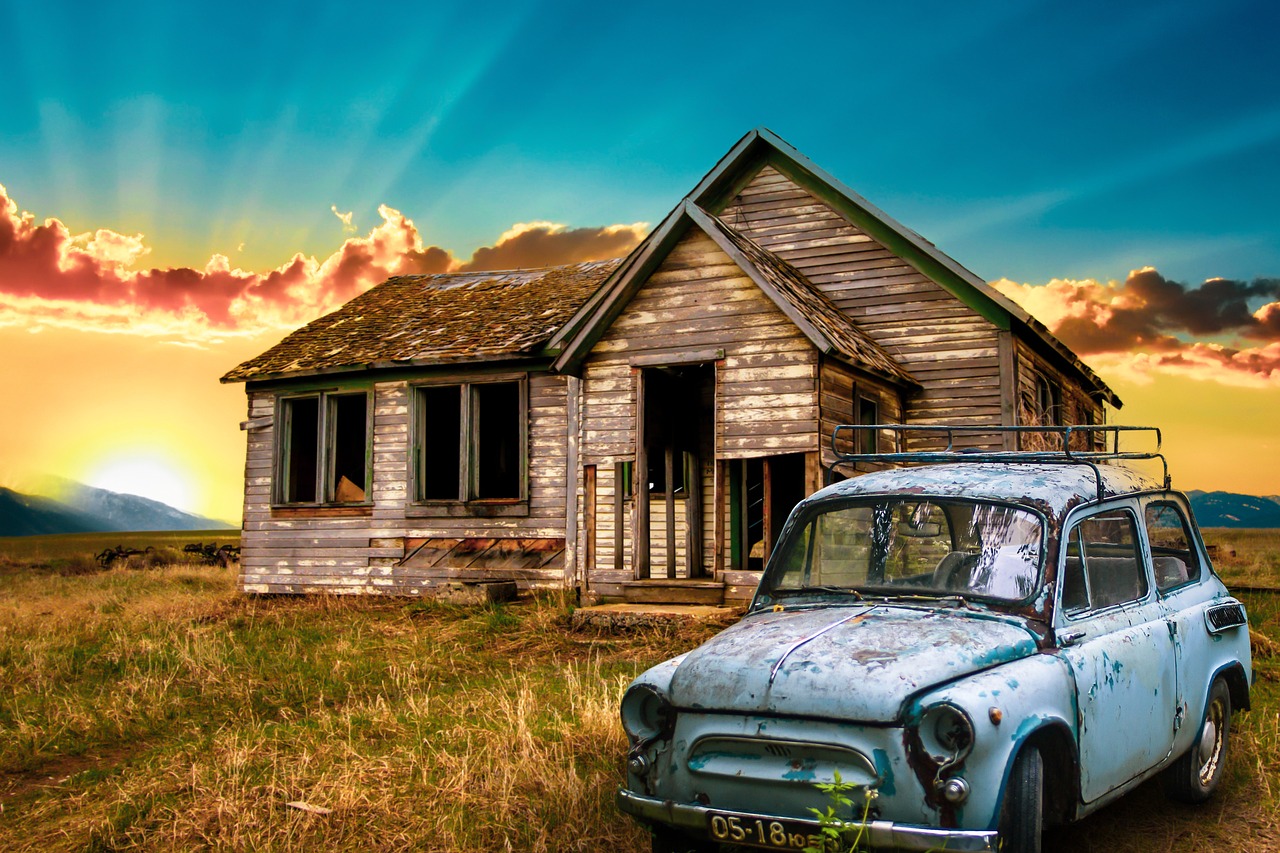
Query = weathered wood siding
x=1075 y=407
x=943 y=343
x=765 y=385
x=294 y=552
x=840 y=388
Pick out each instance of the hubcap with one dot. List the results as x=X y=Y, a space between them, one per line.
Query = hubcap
x=1211 y=743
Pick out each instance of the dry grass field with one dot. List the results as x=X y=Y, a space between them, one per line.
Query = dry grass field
x=161 y=710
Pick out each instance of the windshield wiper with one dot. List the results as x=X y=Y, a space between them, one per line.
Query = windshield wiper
x=840 y=590
x=964 y=602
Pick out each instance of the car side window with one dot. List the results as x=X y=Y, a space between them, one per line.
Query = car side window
x=1103 y=566
x=1168 y=534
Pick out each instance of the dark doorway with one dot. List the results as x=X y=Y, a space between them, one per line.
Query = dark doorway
x=675 y=437
x=762 y=493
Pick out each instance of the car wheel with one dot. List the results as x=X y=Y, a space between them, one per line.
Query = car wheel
x=1195 y=776
x=669 y=841
x=1022 y=812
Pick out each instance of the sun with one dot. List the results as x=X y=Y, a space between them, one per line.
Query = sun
x=146 y=475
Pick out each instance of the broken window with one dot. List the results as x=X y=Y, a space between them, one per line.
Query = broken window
x=471 y=441
x=868 y=414
x=1048 y=405
x=324 y=448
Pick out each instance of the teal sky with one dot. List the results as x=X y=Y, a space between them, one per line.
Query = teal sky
x=1028 y=140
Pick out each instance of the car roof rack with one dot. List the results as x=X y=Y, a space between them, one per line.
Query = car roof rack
x=1061 y=454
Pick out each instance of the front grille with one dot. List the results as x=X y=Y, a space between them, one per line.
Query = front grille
x=757 y=759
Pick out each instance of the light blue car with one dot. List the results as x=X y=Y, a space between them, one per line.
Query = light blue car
x=978 y=650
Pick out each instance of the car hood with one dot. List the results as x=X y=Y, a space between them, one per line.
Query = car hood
x=860 y=663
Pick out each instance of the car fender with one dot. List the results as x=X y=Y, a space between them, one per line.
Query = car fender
x=1009 y=705
x=659 y=676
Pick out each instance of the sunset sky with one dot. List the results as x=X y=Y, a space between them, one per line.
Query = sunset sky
x=182 y=184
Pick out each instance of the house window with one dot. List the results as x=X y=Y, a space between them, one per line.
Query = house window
x=324 y=448
x=868 y=414
x=471 y=441
x=1048 y=405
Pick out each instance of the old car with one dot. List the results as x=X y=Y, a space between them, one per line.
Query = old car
x=950 y=655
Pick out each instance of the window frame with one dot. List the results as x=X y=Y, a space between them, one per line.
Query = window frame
x=1195 y=568
x=326 y=425
x=868 y=440
x=1048 y=401
x=468 y=503
x=1091 y=610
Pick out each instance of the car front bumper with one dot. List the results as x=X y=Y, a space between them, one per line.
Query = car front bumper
x=695 y=819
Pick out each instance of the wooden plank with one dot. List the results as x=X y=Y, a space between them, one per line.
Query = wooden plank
x=322 y=512
x=618 y=544
x=588 y=525
x=572 y=388
x=1008 y=386
x=640 y=529
x=812 y=473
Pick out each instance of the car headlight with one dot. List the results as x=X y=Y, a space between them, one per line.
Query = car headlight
x=946 y=733
x=647 y=714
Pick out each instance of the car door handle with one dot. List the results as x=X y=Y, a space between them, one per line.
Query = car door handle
x=1070 y=638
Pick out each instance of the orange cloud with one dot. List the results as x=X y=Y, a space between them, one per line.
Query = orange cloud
x=546 y=244
x=49 y=277
x=1148 y=324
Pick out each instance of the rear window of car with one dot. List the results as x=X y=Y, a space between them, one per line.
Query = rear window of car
x=1168 y=534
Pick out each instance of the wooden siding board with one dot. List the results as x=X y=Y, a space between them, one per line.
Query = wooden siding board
x=330 y=552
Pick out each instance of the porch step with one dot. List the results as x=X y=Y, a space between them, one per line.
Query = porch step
x=621 y=618
x=666 y=591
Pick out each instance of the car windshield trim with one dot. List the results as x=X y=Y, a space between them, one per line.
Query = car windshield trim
x=1028 y=545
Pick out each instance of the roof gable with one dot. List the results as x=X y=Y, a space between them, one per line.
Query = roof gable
x=434 y=319
x=832 y=331
x=762 y=147
x=827 y=328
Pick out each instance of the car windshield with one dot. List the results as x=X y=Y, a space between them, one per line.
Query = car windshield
x=911 y=546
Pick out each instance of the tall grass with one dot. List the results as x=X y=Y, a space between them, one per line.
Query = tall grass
x=1246 y=557
x=162 y=710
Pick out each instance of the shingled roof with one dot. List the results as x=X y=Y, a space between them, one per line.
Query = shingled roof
x=435 y=319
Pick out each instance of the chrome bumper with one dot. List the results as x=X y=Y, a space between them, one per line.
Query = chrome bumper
x=876 y=834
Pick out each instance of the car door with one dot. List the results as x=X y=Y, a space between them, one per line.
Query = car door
x=1113 y=633
x=1177 y=570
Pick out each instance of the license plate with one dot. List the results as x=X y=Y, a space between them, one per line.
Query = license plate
x=760 y=831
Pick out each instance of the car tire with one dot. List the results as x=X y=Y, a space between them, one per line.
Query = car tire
x=669 y=841
x=1195 y=775
x=1022 y=811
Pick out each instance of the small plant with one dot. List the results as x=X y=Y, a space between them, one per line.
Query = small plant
x=834 y=828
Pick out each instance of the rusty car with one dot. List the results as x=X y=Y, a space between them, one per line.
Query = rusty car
x=955 y=653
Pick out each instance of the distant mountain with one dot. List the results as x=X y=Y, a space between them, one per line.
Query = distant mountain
x=77 y=508
x=30 y=515
x=1224 y=509
x=131 y=512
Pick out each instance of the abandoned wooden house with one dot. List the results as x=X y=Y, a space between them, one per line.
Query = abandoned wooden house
x=637 y=429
